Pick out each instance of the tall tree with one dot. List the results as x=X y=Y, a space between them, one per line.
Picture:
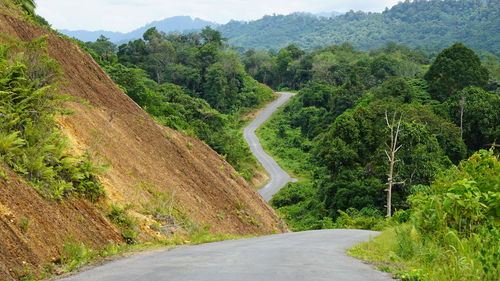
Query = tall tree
x=455 y=68
x=393 y=148
x=477 y=113
x=210 y=35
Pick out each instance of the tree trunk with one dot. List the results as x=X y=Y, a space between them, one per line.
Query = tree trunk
x=462 y=109
x=391 y=155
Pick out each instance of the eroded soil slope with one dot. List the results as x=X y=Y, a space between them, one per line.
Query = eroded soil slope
x=144 y=158
x=33 y=231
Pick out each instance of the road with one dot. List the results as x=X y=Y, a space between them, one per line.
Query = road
x=300 y=256
x=278 y=177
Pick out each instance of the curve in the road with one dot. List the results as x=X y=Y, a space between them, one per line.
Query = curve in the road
x=278 y=177
x=301 y=256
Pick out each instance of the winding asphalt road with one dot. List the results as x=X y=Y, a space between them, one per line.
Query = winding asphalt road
x=300 y=256
x=279 y=178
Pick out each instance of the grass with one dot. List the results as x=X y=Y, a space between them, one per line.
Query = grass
x=77 y=255
x=387 y=253
x=409 y=256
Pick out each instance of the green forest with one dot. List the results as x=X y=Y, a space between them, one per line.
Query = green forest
x=426 y=25
x=397 y=137
x=354 y=108
x=192 y=83
x=355 y=112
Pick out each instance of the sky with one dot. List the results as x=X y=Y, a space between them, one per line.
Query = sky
x=127 y=15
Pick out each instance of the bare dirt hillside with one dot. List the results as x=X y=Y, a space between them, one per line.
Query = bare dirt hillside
x=33 y=231
x=144 y=157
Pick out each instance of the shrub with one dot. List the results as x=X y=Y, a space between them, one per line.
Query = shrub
x=367 y=218
x=118 y=215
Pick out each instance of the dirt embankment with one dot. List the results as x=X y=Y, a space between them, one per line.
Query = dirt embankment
x=33 y=231
x=143 y=157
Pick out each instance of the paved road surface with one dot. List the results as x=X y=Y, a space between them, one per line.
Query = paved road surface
x=279 y=178
x=300 y=256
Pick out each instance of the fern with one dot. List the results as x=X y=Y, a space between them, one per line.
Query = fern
x=30 y=141
x=10 y=144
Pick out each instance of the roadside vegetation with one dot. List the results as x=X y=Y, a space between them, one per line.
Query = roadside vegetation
x=452 y=228
x=76 y=256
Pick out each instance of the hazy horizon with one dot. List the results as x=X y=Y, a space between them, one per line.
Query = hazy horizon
x=127 y=15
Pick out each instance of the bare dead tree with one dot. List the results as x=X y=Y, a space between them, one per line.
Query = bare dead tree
x=462 y=109
x=394 y=127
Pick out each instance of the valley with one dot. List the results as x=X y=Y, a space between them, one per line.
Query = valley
x=378 y=132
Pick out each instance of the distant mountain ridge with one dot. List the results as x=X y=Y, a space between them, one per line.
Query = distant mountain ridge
x=168 y=25
x=428 y=25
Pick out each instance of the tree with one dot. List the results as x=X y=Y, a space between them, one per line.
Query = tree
x=215 y=86
x=161 y=54
x=151 y=35
x=455 y=68
x=477 y=113
x=322 y=64
x=397 y=88
x=210 y=35
x=383 y=67
x=103 y=47
x=394 y=128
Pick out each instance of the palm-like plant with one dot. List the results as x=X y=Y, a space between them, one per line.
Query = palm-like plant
x=27 y=5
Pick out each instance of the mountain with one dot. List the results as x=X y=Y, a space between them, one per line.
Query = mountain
x=168 y=25
x=429 y=25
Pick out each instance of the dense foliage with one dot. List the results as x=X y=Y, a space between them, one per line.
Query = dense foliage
x=30 y=141
x=334 y=132
x=454 y=69
x=429 y=25
x=189 y=82
x=453 y=223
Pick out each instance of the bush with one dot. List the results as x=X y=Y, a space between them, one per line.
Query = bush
x=367 y=218
x=118 y=215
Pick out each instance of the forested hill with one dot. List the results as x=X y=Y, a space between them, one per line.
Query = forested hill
x=430 y=25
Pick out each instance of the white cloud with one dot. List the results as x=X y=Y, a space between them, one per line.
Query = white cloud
x=125 y=15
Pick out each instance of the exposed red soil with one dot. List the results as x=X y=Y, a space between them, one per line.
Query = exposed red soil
x=34 y=230
x=142 y=155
